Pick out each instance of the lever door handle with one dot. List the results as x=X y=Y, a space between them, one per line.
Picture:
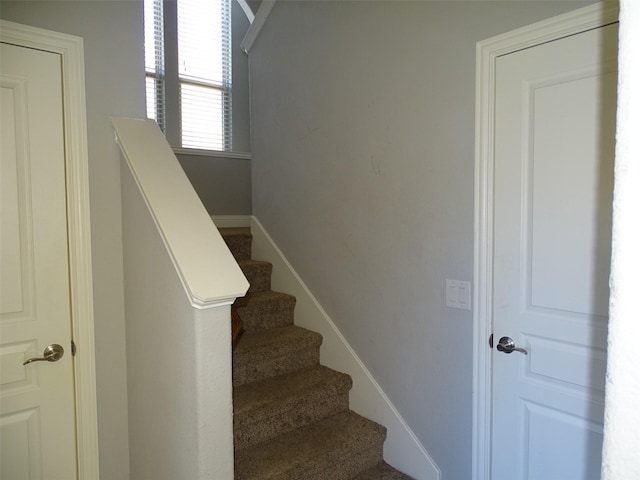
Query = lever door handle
x=507 y=345
x=52 y=353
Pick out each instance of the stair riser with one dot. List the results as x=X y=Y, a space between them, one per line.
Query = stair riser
x=259 y=277
x=239 y=245
x=352 y=466
x=382 y=471
x=249 y=370
x=267 y=426
x=342 y=465
x=277 y=312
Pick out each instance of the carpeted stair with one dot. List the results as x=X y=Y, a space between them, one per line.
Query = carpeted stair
x=291 y=414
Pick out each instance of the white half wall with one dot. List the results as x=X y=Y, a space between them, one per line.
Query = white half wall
x=178 y=362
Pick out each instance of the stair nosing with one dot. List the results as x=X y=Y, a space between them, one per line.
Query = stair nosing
x=252 y=261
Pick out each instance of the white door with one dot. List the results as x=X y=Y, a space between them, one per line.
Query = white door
x=554 y=145
x=37 y=417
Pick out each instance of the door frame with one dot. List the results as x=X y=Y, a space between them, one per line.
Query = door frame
x=487 y=53
x=71 y=51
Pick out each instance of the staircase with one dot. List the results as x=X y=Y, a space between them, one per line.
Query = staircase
x=291 y=414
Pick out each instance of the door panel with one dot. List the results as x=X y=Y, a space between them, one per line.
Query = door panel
x=37 y=407
x=570 y=192
x=554 y=125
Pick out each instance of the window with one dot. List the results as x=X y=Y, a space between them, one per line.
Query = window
x=188 y=71
x=154 y=60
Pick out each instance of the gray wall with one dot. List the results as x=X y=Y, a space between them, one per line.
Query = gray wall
x=112 y=33
x=224 y=183
x=363 y=173
x=240 y=78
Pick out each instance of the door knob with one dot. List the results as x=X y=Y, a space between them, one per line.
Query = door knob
x=507 y=345
x=52 y=353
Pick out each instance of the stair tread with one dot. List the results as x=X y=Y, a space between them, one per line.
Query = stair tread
x=308 y=451
x=280 y=339
x=261 y=297
x=238 y=241
x=382 y=471
x=280 y=393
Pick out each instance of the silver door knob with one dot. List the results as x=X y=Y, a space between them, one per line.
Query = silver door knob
x=507 y=345
x=52 y=353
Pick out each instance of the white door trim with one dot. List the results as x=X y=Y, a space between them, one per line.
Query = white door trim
x=71 y=50
x=487 y=52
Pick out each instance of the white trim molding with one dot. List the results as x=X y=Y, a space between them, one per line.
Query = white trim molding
x=208 y=272
x=71 y=51
x=195 y=152
x=487 y=53
x=256 y=26
x=247 y=10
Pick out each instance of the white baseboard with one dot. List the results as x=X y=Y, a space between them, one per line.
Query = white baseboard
x=402 y=448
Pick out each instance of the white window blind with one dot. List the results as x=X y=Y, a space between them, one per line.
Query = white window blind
x=154 y=60
x=202 y=93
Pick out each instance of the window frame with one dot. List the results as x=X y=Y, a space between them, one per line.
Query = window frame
x=171 y=81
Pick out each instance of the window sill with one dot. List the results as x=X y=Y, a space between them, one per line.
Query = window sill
x=211 y=153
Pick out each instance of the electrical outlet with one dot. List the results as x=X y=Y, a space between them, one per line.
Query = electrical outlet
x=458 y=294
